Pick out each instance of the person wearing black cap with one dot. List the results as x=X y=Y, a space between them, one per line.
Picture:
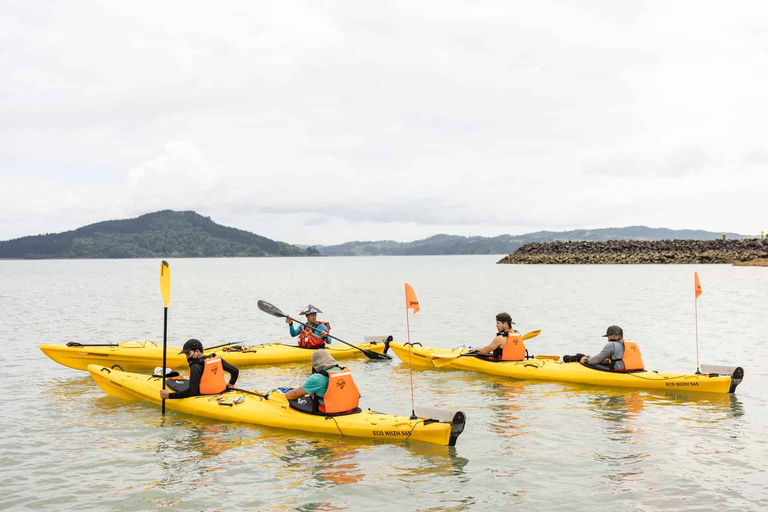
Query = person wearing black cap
x=206 y=373
x=504 y=330
x=612 y=355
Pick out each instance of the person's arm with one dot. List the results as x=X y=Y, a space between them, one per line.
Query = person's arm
x=295 y=330
x=295 y=393
x=232 y=370
x=602 y=356
x=320 y=330
x=495 y=343
x=195 y=373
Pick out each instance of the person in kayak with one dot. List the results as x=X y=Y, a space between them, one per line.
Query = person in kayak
x=206 y=373
x=315 y=334
x=508 y=344
x=617 y=355
x=332 y=386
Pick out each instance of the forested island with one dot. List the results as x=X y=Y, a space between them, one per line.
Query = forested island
x=188 y=234
x=749 y=251
x=154 y=235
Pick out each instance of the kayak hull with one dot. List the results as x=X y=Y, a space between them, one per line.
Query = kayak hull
x=551 y=370
x=138 y=356
x=276 y=412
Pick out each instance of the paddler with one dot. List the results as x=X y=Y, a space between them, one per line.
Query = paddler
x=330 y=384
x=617 y=355
x=315 y=334
x=206 y=373
x=507 y=345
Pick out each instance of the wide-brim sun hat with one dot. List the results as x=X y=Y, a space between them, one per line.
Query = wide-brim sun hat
x=309 y=310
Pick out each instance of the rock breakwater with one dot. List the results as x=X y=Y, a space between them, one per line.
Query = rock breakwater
x=641 y=251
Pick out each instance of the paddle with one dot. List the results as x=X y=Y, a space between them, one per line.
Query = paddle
x=276 y=395
x=440 y=360
x=165 y=290
x=274 y=311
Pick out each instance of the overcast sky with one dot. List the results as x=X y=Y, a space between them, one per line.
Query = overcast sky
x=324 y=122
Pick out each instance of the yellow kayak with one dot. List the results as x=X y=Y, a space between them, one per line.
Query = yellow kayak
x=146 y=355
x=550 y=369
x=273 y=410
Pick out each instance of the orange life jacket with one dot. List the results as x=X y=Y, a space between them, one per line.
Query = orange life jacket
x=342 y=394
x=308 y=339
x=514 y=349
x=632 y=358
x=212 y=381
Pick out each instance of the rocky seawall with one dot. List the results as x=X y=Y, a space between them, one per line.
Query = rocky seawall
x=748 y=251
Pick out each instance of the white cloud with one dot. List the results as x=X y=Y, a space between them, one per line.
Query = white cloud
x=313 y=122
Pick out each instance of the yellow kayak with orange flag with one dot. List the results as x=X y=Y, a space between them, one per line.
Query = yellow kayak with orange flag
x=273 y=410
x=714 y=379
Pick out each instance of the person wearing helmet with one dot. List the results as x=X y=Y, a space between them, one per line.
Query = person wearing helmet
x=206 y=373
x=315 y=333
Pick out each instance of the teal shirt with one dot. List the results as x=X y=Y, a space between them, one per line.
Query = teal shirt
x=317 y=384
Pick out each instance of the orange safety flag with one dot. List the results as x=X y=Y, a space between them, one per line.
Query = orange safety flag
x=697 y=284
x=411 y=302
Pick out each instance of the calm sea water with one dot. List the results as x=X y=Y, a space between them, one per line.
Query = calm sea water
x=534 y=446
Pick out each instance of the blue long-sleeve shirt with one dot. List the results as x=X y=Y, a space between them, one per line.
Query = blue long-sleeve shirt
x=317 y=330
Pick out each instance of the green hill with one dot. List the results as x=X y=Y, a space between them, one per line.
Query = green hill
x=155 y=235
x=505 y=244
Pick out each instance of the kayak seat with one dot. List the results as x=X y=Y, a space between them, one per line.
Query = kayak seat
x=178 y=385
x=308 y=406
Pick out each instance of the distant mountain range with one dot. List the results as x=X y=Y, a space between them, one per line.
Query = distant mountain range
x=190 y=235
x=505 y=244
x=154 y=235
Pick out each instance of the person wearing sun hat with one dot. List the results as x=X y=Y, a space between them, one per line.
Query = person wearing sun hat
x=315 y=333
x=330 y=387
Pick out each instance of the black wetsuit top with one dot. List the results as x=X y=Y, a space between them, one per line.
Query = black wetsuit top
x=196 y=373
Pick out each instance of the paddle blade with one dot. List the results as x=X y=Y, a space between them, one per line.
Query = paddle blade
x=375 y=355
x=531 y=334
x=165 y=282
x=440 y=361
x=277 y=397
x=270 y=309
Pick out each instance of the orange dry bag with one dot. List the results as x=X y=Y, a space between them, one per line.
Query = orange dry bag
x=213 y=381
x=342 y=394
x=514 y=350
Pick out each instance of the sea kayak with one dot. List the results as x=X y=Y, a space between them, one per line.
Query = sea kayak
x=272 y=410
x=550 y=369
x=145 y=355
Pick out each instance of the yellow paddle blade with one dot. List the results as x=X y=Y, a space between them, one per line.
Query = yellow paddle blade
x=438 y=361
x=531 y=334
x=278 y=397
x=165 y=282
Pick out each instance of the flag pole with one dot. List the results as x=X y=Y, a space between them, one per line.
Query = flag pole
x=696 y=311
x=410 y=364
x=696 y=293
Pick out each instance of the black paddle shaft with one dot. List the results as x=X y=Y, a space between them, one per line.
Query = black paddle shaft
x=165 y=349
x=275 y=311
